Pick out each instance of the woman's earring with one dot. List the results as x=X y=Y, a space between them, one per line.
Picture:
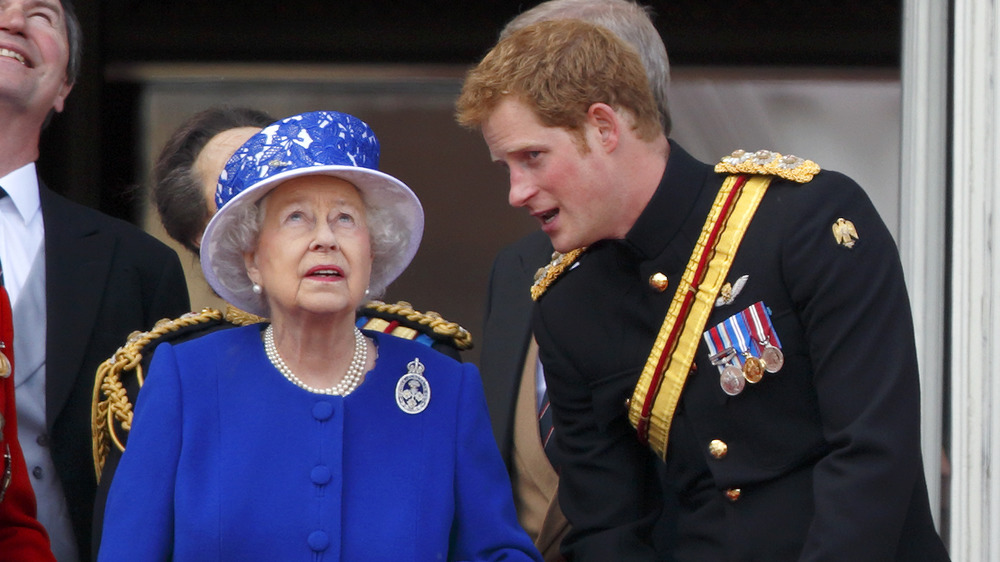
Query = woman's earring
x=257 y=289
x=367 y=292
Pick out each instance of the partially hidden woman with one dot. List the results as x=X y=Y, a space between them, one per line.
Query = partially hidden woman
x=305 y=438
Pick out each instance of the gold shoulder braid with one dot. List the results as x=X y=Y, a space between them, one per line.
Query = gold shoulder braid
x=546 y=276
x=110 y=401
x=442 y=329
x=765 y=162
x=241 y=317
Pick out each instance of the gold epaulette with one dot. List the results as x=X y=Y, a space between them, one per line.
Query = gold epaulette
x=402 y=320
x=547 y=275
x=765 y=162
x=110 y=402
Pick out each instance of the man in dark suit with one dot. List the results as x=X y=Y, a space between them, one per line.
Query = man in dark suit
x=508 y=363
x=80 y=281
x=779 y=367
x=509 y=352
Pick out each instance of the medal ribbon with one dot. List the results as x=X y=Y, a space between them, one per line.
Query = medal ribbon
x=739 y=335
x=733 y=336
x=655 y=397
x=716 y=348
x=720 y=350
x=752 y=346
x=711 y=336
x=763 y=331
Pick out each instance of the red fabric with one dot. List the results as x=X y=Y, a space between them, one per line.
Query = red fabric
x=671 y=343
x=22 y=538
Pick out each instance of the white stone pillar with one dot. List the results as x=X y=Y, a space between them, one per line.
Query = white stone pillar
x=975 y=311
x=922 y=211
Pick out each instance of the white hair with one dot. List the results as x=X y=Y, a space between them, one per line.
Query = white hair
x=239 y=233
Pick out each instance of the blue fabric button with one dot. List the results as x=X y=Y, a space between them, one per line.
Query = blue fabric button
x=321 y=475
x=319 y=541
x=323 y=411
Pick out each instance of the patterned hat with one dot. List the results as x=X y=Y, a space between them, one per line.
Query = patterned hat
x=321 y=142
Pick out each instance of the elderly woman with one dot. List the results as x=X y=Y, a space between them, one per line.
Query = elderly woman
x=185 y=176
x=305 y=438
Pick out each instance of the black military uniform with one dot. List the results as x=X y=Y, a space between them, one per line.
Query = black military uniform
x=820 y=460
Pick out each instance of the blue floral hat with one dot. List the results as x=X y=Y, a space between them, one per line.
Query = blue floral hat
x=321 y=142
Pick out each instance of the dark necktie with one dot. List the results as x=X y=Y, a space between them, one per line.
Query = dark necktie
x=545 y=427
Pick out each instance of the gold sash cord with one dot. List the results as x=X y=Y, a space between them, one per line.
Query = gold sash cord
x=654 y=401
x=110 y=408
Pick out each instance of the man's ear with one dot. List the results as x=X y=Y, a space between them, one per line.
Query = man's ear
x=606 y=124
x=60 y=101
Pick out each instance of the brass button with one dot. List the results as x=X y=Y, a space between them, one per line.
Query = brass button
x=718 y=449
x=733 y=494
x=658 y=282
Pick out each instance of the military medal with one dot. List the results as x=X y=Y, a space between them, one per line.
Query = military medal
x=759 y=322
x=753 y=369
x=743 y=347
x=413 y=392
x=4 y=362
x=732 y=380
x=773 y=359
x=723 y=356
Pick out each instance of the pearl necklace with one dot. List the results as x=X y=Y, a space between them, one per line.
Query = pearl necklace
x=344 y=387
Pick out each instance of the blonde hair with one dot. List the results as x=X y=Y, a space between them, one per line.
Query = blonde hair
x=560 y=68
x=631 y=22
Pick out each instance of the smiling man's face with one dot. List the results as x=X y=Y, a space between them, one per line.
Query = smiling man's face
x=34 y=52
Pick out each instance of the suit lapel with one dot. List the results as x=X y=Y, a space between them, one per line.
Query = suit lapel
x=515 y=298
x=508 y=331
x=77 y=261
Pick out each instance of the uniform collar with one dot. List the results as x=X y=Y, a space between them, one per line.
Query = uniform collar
x=671 y=205
x=21 y=186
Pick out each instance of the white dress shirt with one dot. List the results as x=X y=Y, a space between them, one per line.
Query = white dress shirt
x=21 y=228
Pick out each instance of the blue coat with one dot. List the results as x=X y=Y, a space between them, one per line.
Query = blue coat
x=227 y=460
